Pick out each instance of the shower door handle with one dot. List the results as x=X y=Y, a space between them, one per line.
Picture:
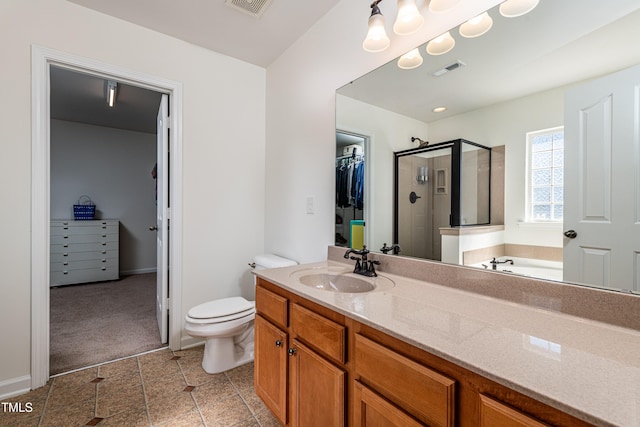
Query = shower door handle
x=571 y=234
x=153 y=228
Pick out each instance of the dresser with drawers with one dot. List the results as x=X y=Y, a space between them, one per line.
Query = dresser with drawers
x=84 y=251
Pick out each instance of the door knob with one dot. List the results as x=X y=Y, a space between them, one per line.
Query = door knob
x=153 y=228
x=571 y=234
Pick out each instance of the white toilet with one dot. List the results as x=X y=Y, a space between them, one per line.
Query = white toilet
x=227 y=325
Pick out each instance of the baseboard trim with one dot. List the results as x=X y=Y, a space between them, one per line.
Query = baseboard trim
x=15 y=386
x=189 y=342
x=138 y=271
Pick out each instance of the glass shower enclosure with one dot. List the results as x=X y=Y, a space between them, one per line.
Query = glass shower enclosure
x=439 y=186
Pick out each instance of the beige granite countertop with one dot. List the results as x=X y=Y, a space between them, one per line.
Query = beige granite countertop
x=584 y=367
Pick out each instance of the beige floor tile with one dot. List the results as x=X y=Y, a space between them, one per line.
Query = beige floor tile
x=163 y=387
x=267 y=419
x=121 y=367
x=135 y=418
x=116 y=401
x=62 y=397
x=242 y=376
x=255 y=404
x=219 y=388
x=224 y=413
x=190 y=419
x=75 y=378
x=17 y=419
x=74 y=414
x=195 y=375
x=170 y=407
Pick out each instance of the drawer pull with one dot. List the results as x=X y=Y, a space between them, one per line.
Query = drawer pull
x=278 y=343
x=291 y=351
x=103 y=252
x=104 y=260
x=104 y=235
x=103 y=268
x=65 y=272
x=66 y=245
x=65 y=263
x=104 y=243
x=65 y=254
x=65 y=237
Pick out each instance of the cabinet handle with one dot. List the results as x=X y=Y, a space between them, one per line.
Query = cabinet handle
x=278 y=343
x=65 y=272
x=103 y=268
x=292 y=352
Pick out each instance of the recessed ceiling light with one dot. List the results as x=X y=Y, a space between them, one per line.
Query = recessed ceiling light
x=439 y=109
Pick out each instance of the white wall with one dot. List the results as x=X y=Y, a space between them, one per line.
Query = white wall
x=507 y=124
x=223 y=154
x=301 y=88
x=113 y=167
x=388 y=132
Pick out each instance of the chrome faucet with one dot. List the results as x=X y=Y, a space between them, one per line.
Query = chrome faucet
x=363 y=266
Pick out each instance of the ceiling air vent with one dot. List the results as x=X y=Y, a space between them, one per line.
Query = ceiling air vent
x=254 y=8
x=448 y=68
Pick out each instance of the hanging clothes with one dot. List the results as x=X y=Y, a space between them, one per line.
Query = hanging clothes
x=350 y=182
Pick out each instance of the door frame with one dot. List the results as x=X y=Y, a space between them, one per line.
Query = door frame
x=41 y=60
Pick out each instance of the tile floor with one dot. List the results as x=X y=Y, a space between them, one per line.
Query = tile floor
x=162 y=388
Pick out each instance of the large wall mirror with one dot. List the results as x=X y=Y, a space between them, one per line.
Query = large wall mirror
x=556 y=94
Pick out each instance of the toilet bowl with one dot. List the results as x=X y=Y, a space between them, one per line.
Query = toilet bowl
x=226 y=325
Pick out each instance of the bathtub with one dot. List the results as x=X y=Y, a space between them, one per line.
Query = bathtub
x=542 y=269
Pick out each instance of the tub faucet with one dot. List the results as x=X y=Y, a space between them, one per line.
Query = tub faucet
x=494 y=263
x=395 y=248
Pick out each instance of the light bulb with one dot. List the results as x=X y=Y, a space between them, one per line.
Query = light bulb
x=410 y=60
x=442 y=5
x=441 y=44
x=377 y=39
x=409 y=19
x=477 y=26
x=515 y=8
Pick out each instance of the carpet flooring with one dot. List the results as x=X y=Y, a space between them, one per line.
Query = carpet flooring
x=99 y=322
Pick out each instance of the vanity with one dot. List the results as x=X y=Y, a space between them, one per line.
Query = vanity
x=442 y=345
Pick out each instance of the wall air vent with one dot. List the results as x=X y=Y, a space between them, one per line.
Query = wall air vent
x=254 y=8
x=448 y=68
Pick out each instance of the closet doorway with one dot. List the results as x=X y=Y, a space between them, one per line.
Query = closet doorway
x=46 y=127
x=350 y=222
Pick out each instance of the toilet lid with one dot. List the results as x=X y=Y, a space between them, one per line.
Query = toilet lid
x=228 y=308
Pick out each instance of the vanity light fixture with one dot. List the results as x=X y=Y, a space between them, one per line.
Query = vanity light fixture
x=410 y=60
x=111 y=93
x=377 y=39
x=441 y=44
x=409 y=19
x=441 y=5
x=515 y=8
x=475 y=27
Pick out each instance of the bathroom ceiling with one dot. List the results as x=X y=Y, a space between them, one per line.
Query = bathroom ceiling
x=215 y=26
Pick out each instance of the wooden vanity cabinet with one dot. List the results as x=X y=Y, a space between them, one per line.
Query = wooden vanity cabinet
x=299 y=361
x=316 y=367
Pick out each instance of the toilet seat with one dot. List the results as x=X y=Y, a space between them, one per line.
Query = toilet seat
x=222 y=310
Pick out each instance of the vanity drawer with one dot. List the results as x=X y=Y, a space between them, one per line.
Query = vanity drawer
x=422 y=392
x=323 y=334
x=272 y=306
x=494 y=413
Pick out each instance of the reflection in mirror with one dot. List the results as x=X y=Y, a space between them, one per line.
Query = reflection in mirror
x=500 y=90
x=437 y=187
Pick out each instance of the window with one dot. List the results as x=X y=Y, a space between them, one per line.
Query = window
x=545 y=175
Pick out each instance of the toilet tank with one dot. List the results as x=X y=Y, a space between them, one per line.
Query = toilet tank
x=261 y=262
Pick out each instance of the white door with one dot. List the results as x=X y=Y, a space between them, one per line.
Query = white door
x=162 y=223
x=602 y=182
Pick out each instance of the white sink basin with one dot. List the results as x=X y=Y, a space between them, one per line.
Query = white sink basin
x=341 y=280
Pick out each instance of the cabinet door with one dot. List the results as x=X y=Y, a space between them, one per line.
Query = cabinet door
x=372 y=410
x=270 y=367
x=318 y=395
x=496 y=414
